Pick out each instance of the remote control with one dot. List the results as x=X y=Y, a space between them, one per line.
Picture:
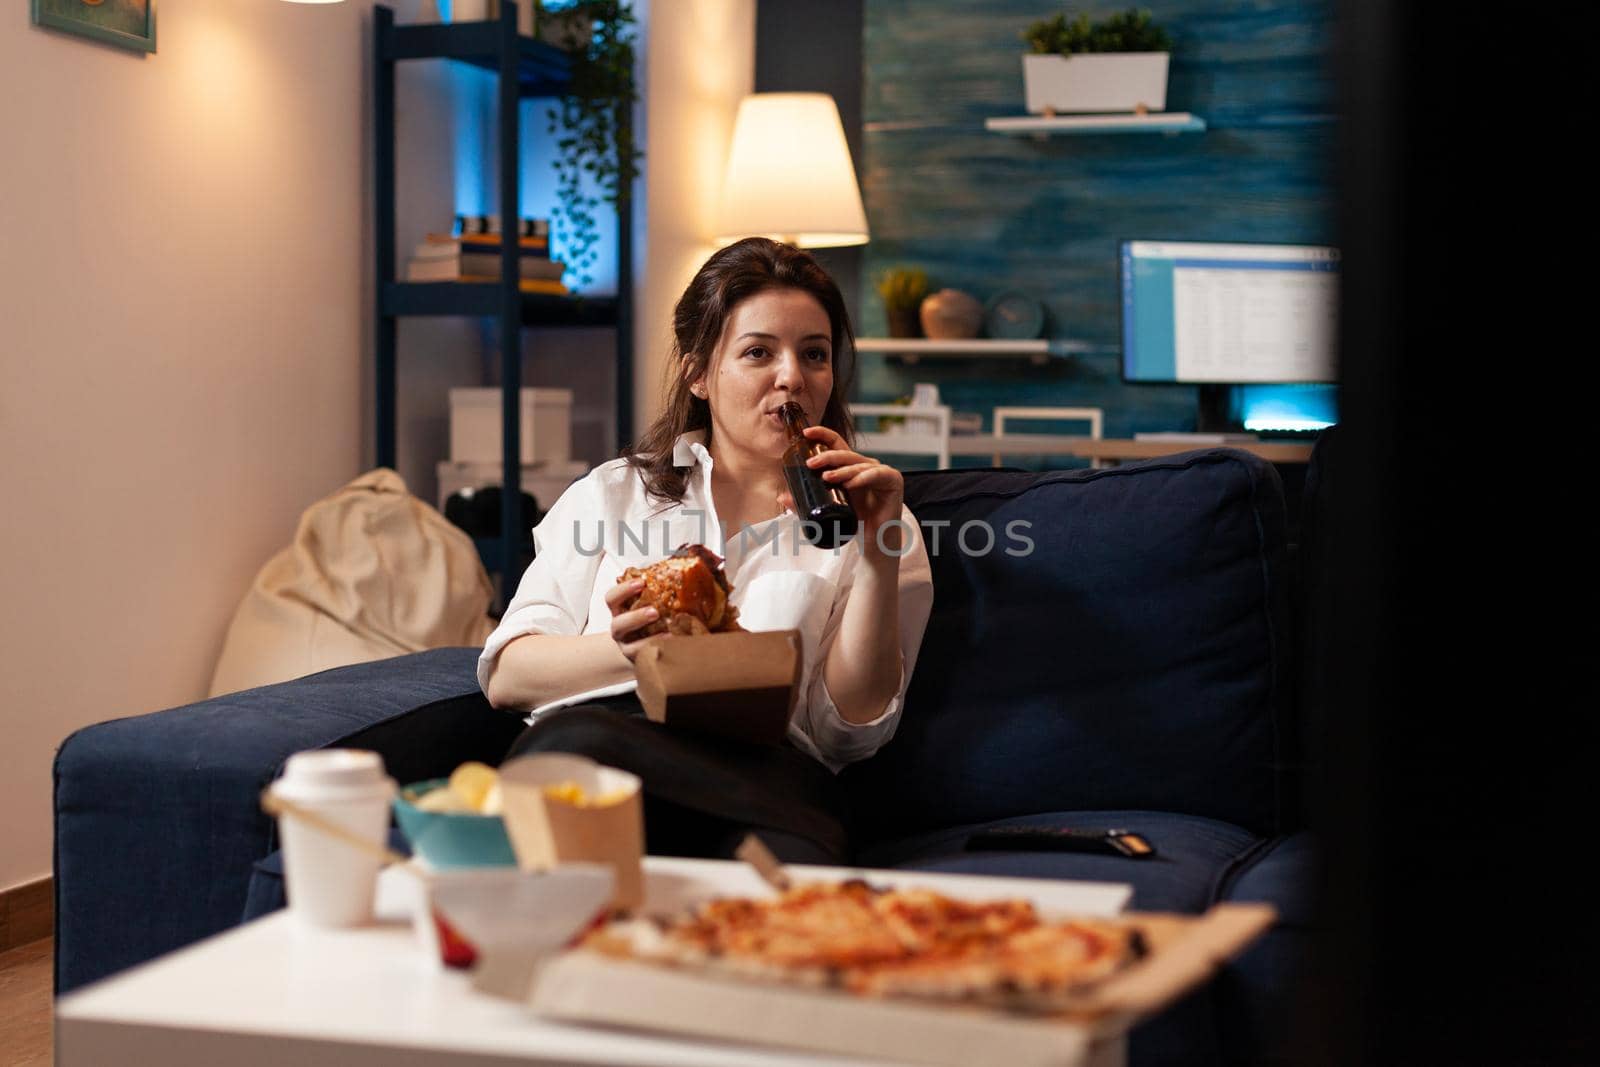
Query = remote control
x=1058 y=839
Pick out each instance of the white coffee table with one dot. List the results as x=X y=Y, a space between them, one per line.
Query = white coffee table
x=272 y=992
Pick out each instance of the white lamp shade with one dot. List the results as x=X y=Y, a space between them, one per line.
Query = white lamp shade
x=789 y=175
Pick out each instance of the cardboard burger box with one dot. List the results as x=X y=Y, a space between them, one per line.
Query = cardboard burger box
x=742 y=685
x=585 y=986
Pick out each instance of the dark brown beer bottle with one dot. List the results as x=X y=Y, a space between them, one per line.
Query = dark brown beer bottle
x=826 y=518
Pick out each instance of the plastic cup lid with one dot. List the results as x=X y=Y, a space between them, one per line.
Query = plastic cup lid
x=334 y=768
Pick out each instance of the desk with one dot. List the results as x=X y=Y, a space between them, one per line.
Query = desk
x=1113 y=449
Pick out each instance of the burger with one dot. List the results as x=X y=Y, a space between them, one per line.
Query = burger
x=689 y=590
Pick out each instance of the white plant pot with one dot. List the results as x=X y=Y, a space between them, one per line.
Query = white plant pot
x=1105 y=81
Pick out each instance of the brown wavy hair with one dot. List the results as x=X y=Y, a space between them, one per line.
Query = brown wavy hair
x=732 y=275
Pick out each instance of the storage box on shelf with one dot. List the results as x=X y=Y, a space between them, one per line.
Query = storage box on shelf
x=475 y=426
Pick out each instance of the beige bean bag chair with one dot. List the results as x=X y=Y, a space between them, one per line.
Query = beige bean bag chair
x=373 y=572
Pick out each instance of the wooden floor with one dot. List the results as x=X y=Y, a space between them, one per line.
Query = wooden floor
x=25 y=1016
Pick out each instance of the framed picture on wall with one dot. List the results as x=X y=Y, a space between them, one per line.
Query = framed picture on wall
x=128 y=23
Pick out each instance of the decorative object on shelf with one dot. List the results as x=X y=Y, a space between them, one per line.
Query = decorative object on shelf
x=951 y=314
x=594 y=127
x=923 y=395
x=568 y=29
x=966 y=422
x=789 y=174
x=1013 y=316
x=527 y=226
x=127 y=23
x=894 y=423
x=902 y=290
x=1118 y=63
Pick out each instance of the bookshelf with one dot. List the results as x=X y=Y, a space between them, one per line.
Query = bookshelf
x=526 y=68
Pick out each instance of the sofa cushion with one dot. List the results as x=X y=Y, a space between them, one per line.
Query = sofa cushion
x=1193 y=861
x=1123 y=645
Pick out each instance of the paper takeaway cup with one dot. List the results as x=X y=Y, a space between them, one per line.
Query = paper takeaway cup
x=330 y=883
x=549 y=823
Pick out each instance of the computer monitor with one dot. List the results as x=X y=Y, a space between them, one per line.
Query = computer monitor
x=1228 y=313
x=1253 y=324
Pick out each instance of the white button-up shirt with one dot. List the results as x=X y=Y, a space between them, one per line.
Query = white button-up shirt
x=607 y=522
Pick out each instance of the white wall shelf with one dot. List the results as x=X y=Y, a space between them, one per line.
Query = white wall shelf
x=1039 y=351
x=1046 y=125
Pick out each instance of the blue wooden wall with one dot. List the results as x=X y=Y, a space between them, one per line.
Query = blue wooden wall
x=987 y=212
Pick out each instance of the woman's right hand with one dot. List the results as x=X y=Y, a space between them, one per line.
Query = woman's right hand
x=625 y=624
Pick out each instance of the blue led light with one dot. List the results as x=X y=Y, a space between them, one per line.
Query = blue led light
x=1287 y=408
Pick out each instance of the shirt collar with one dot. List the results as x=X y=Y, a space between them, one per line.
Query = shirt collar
x=690 y=449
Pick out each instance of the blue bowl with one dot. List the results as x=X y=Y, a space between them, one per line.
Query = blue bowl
x=448 y=840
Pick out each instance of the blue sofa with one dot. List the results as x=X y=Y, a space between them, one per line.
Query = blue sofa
x=1136 y=668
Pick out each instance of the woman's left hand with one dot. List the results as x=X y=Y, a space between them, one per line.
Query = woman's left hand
x=877 y=490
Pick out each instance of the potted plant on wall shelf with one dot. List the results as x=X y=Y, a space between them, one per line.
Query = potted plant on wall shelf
x=593 y=122
x=902 y=290
x=1116 y=64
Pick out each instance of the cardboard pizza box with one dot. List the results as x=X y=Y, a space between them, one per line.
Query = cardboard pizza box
x=741 y=685
x=584 y=986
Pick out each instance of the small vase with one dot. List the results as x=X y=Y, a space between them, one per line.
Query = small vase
x=951 y=315
x=903 y=322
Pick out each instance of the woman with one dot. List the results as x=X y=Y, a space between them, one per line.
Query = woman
x=761 y=324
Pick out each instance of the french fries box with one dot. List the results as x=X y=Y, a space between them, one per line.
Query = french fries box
x=602 y=824
x=587 y=986
x=741 y=685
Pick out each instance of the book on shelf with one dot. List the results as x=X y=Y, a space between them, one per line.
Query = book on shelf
x=529 y=268
x=477 y=268
x=450 y=271
x=433 y=270
x=449 y=259
x=485 y=242
x=527 y=285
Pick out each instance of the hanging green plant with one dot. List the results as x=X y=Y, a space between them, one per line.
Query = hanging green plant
x=592 y=122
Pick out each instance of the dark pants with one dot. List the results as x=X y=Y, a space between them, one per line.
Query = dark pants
x=702 y=793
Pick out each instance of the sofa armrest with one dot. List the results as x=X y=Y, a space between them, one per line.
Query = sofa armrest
x=157 y=819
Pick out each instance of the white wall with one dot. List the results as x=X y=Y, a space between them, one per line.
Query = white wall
x=185 y=329
x=700 y=64
x=184 y=344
